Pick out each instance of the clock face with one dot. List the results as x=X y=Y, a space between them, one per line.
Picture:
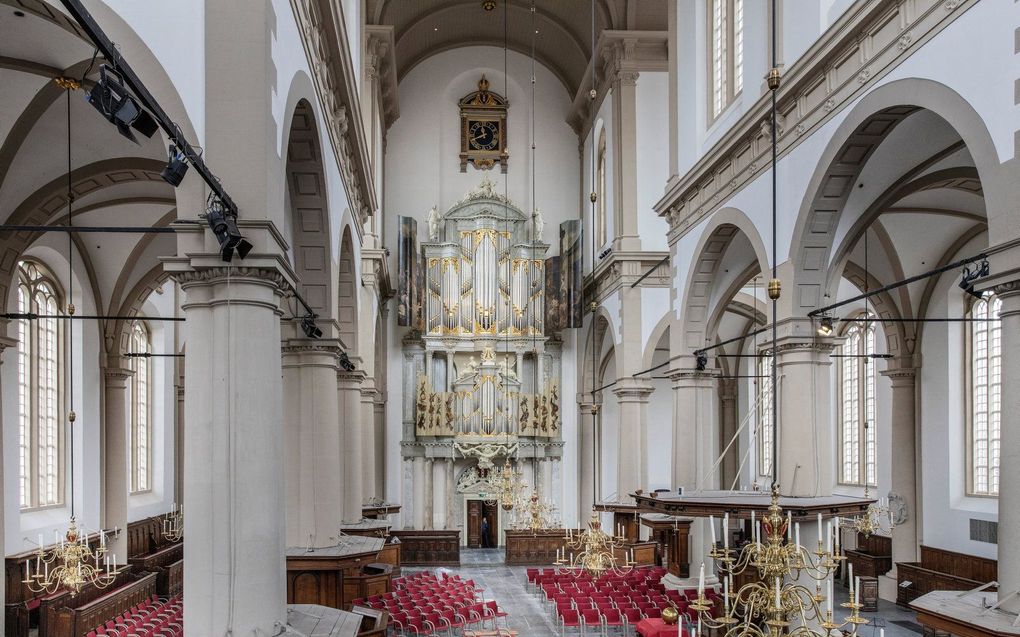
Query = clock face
x=483 y=135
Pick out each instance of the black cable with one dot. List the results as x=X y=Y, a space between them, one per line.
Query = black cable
x=775 y=332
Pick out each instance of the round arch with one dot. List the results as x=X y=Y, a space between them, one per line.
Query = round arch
x=347 y=293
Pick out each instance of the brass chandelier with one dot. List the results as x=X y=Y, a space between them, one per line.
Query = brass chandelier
x=509 y=484
x=878 y=518
x=594 y=551
x=776 y=603
x=536 y=513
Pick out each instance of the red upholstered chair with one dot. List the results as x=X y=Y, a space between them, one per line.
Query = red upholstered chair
x=591 y=617
x=632 y=615
x=569 y=619
x=493 y=611
x=611 y=618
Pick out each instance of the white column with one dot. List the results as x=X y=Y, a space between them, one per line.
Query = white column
x=379 y=412
x=313 y=465
x=369 y=488
x=418 y=488
x=586 y=460
x=349 y=392
x=451 y=500
x=429 y=494
x=234 y=566
x=805 y=426
x=1009 y=446
x=903 y=466
x=632 y=441
x=115 y=455
x=547 y=479
x=625 y=200
x=441 y=498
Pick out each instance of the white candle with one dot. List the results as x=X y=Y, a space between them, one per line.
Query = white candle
x=851 y=579
x=726 y=594
x=778 y=604
x=681 y=631
x=830 y=595
x=726 y=531
x=797 y=535
x=102 y=538
x=40 y=542
x=711 y=525
x=857 y=589
x=27 y=562
x=699 y=623
x=881 y=632
x=701 y=580
x=828 y=536
x=789 y=527
x=819 y=525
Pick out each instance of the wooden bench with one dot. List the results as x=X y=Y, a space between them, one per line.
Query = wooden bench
x=51 y=603
x=872 y=557
x=145 y=537
x=77 y=621
x=161 y=558
x=170 y=579
x=941 y=570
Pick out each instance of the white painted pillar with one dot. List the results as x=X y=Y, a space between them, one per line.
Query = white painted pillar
x=1009 y=445
x=369 y=488
x=116 y=466
x=586 y=460
x=903 y=465
x=441 y=498
x=418 y=489
x=429 y=494
x=805 y=426
x=313 y=465
x=5 y=343
x=349 y=392
x=625 y=200
x=451 y=499
x=632 y=440
x=234 y=563
x=379 y=411
x=547 y=479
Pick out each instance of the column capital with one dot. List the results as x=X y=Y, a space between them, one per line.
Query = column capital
x=901 y=369
x=632 y=390
x=1008 y=290
x=690 y=377
x=112 y=373
x=350 y=380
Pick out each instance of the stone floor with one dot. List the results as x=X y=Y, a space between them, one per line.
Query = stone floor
x=529 y=616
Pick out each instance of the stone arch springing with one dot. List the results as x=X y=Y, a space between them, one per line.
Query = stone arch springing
x=309 y=210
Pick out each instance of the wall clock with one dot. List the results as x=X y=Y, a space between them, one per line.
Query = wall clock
x=483 y=129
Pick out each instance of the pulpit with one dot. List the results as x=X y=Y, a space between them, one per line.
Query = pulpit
x=672 y=535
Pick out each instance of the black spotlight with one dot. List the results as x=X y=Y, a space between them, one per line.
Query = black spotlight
x=701 y=361
x=345 y=362
x=176 y=167
x=223 y=223
x=825 y=326
x=115 y=103
x=309 y=327
x=968 y=278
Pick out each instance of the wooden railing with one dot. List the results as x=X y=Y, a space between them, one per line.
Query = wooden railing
x=146 y=536
x=941 y=570
x=78 y=620
x=52 y=603
x=170 y=579
x=162 y=558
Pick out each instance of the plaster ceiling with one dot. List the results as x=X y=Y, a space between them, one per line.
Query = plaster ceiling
x=562 y=43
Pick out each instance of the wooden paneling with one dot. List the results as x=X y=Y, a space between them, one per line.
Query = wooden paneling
x=50 y=604
x=942 y=570
x=390 y=554
x=162 y=558
x=170 y=579
x=533 y=547
x=873 y=555
x=146 y=536
x=429 y=548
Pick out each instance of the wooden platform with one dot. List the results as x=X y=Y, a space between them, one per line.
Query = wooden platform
x=739 y=504
x=947 y=612
x=310 y=620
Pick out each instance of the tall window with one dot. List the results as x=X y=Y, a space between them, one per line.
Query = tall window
x=40 y=354
x=726 y=21
x=857 y=425
x=141 y=417
x=765 y=431
x=600 y=207
x=985 y=395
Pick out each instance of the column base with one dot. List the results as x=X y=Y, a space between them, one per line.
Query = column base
x=887 y=587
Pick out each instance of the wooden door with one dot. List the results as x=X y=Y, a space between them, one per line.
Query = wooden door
x=491 y=513
x=474 y=523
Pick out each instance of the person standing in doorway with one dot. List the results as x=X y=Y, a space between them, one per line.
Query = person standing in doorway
x=486 y=544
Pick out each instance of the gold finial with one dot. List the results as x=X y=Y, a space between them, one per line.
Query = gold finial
x=593 y=196
x=71 y=416
x=70 y=309
x=773 y=78
x=483 y=84
x=775 y=289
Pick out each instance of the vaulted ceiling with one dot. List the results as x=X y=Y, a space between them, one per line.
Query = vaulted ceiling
x=562 y=43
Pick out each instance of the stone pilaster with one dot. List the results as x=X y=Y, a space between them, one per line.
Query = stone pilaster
x=728 y=429
x=368 y=444
x=429 y=495
x=695 y=443
x=587 y=419
x=348 y=386
x=1009 y=445
x=5 y=343
x=313 y=462
x=440 y=499
x=451 y=501
x=116 y=467
x=625 y=152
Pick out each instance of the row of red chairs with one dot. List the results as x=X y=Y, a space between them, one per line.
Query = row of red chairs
x=431 y=620
x=155 y=617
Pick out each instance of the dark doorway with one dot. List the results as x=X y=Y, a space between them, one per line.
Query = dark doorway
x=477 y=510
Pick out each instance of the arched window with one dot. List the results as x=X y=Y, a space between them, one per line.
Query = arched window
x=40 y=398
x=765 y=431
x=985 y=396
x=141 y=414
x=726 y=31
x=857 y=426
x=603 y=194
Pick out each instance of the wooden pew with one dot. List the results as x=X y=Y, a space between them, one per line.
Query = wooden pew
x=162 y=558
x=50 y=604
x=170 y=579
x=78 y=620
x=872 y=557
x=146 y=536
x=943 y=571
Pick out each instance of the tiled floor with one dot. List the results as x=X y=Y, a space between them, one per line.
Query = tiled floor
x=529 y=616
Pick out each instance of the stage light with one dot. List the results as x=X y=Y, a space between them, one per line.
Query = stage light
x=701 y=361
x=968 y=278
x=345 y=362
x=223 y=223
x=309 y=327
x=176 y=167
x=825 y=326
x=115 y=103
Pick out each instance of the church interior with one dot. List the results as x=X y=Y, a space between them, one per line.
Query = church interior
x=488 y=318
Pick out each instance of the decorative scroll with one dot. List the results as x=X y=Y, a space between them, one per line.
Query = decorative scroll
x=407 y=266
x=571 y=282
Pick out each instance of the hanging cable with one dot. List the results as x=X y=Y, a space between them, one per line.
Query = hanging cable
x=774 y=87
